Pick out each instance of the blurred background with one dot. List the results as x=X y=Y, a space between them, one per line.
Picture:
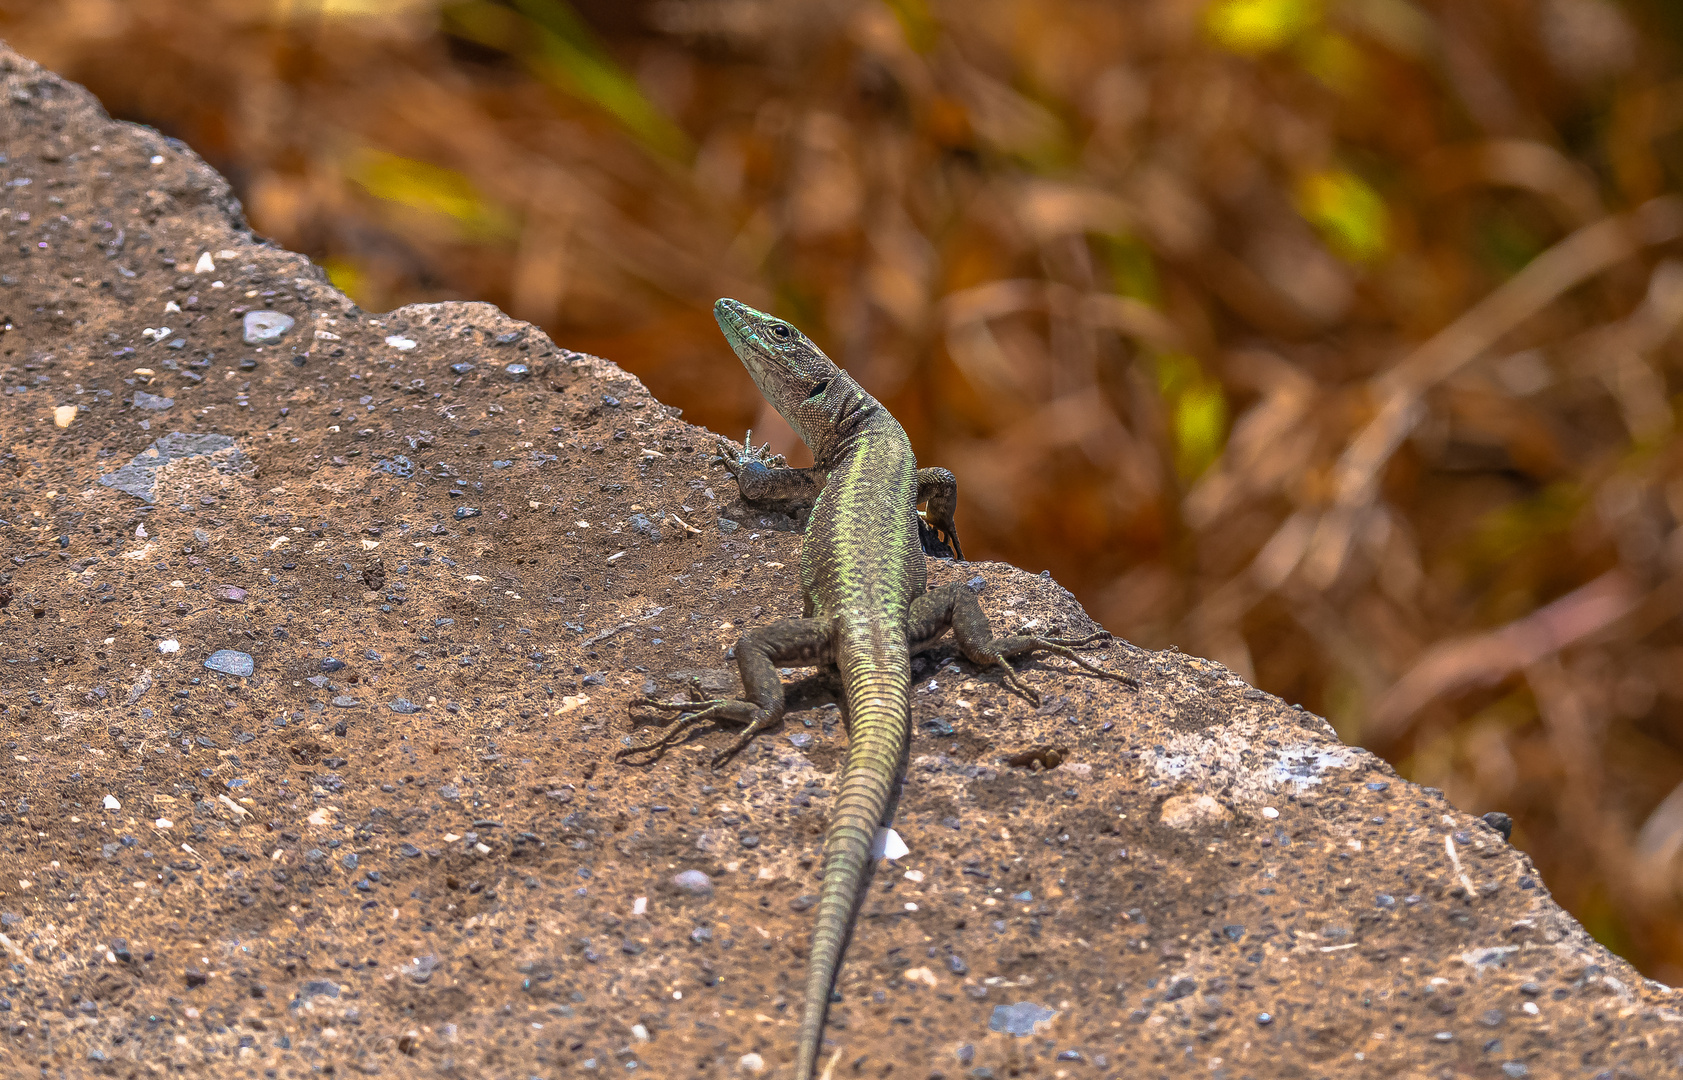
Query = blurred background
x=1334 y=340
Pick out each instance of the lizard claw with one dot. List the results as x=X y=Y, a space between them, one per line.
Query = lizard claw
x=736 y=458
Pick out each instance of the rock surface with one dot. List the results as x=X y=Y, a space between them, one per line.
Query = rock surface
x=453 y=554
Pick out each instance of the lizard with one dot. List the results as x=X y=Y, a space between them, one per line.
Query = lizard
x=866 y=610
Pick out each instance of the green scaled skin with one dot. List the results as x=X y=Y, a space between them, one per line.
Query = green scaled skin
x=863 y=583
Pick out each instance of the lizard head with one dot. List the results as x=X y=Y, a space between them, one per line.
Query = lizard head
x=792 y=373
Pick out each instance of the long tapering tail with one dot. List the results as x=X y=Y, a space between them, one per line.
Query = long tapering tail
x=876 y=745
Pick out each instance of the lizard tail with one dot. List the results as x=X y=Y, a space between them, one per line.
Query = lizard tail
x=875 y=746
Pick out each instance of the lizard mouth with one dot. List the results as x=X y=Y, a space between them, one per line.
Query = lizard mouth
x=731 y=316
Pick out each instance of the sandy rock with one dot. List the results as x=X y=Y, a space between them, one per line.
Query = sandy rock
x=1194 y=879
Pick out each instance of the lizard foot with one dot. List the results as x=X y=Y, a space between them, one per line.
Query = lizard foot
x=1064 y=647
x=736 y=458
x=692 y=713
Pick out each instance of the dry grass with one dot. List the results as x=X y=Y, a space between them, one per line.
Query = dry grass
x=1337 y=342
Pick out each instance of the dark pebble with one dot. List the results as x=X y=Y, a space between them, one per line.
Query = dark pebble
x=330 y=665
x=802 y=903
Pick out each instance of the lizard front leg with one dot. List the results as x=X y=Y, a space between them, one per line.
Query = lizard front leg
x=956 y=606
x=762 y=476
x=759 y=653
x=937 y=490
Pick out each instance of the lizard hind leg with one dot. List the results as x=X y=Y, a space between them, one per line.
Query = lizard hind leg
x=759 y=653
x=691 y=713
x=956 y=606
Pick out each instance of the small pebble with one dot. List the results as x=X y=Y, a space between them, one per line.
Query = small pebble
x=262 y=327
x=230 y=662
x=888 y=845
x=463 y=512
x=1019 y=1019
x=693 y=882
x=111 y=803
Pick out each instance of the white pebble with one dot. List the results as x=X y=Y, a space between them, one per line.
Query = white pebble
x=639 y=1032
x=204 y=265
x=888 y=845
x=914 y=876
x=753 y=1063
x=64 y=416
x=169 y=645
x=163 y=823
x=640 y=906
x=111 y=803
x=400 y=343
x=1270 y=813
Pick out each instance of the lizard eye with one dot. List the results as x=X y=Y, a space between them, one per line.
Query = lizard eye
x=781 y=332
x=819 y=389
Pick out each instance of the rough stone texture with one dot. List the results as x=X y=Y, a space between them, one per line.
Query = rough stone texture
x=402 y=845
